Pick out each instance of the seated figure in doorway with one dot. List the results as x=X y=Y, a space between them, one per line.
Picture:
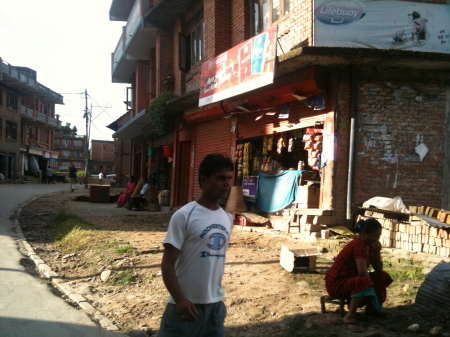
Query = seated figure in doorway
x=349 y=279
x=138 y=201
x=123 y=198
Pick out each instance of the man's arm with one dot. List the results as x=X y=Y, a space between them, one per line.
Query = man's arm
x=185 y=308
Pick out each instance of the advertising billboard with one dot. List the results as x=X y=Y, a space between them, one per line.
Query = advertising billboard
x=400 y=25
x=245 y=67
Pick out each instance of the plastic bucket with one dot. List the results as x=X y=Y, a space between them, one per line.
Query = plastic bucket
x=168 y=151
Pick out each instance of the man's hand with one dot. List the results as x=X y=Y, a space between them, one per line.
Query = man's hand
x=187 y=311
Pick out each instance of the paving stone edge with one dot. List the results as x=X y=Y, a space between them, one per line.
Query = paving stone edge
x=58 y=282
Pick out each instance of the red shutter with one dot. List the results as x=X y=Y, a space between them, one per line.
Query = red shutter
x=210 y=137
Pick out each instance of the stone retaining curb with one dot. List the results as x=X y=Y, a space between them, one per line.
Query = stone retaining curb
x=58 y=282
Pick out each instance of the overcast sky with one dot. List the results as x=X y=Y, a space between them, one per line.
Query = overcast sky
x=69 y=44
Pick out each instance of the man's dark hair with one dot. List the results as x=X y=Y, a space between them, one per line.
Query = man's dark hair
x=213 y=163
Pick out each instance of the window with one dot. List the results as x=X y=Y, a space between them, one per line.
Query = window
x=44 y=134
x=64 y=165
x=65 y=154
x=1 y=97
x=11 y=130
x=76 y=154
x=11 y=101
x=192 y=45
x=268 y=12
x=45 y=108
x=32 y=132
x=54 y=163
x=77 y=164
x=77 y=143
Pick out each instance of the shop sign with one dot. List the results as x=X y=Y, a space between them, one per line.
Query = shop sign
x=250 y=185
x=403 y=25
x=243 y=68
x=36 y=152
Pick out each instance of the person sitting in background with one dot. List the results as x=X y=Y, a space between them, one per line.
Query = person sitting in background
x=123 y=198
x=138 y=201
x=348 y=277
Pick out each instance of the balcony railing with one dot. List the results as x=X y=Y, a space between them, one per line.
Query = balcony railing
x=129 y=32
x=26 y=111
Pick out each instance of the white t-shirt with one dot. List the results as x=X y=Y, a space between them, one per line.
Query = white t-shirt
x=202 y=236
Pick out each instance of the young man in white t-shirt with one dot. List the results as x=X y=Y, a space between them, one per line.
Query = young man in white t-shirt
x=194 y=256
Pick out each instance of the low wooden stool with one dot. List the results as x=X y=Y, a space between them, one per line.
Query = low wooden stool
x=328 y=299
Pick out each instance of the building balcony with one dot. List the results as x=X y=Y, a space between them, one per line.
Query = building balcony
x=134 y=44
x=18 y=77
x=26 y=112
x=24 y=80
x=164 y=13
x=31 y=115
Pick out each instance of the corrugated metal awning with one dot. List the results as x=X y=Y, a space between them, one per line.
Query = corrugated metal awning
x=133 y=127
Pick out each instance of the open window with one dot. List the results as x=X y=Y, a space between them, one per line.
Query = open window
x=192 y=43
x=265 y=13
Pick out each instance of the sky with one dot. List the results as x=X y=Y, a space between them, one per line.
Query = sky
x=69 y=44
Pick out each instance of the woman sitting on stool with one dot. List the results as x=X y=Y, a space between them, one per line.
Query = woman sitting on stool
x=348 y=277
x=123 y=198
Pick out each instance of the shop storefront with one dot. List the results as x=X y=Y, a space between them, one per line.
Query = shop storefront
x=279 y=157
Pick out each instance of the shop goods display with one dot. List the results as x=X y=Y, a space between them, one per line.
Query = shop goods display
x=313 y=144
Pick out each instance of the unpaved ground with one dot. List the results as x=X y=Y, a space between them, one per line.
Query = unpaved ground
x=262 y=298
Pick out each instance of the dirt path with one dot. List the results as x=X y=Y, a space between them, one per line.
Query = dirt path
x=262 y=298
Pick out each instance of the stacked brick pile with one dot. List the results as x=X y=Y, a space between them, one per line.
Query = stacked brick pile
x=425 y=230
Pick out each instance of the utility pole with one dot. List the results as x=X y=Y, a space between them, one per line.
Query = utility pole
x=86 y=115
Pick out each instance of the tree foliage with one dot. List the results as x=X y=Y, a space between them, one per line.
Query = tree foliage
x=157 y=112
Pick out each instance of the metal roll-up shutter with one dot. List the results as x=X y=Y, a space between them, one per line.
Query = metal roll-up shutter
x=210 y=137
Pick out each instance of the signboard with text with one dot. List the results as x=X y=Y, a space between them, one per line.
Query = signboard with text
x=245 y=67
x=378 y=24
x=249 y=186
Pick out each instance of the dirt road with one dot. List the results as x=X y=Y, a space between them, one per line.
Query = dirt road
x=262 y=298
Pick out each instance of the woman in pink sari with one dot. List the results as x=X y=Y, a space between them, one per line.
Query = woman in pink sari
x=123 y=198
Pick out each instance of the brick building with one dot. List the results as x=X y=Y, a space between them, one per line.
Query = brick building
x=102 y=156
x=368 y=114
x=71 y=149
x=27 y=121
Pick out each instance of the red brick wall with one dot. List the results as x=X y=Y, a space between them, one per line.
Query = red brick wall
x=102 y=150
x=217 y=27
x=240 y=21
x=142 y=96
x=295 y=30
x=393 y=116
x=165 y=58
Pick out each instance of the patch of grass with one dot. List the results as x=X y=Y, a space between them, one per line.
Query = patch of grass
x=74 y=234
x=124 y=249
x=124 y=278
x=406 y=272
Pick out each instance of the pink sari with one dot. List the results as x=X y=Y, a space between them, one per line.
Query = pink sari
x=123 y=198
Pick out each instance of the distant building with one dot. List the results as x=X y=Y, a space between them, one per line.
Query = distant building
x=71 y=149
x=101 y=157
x=122 y=150
x=27 y=122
